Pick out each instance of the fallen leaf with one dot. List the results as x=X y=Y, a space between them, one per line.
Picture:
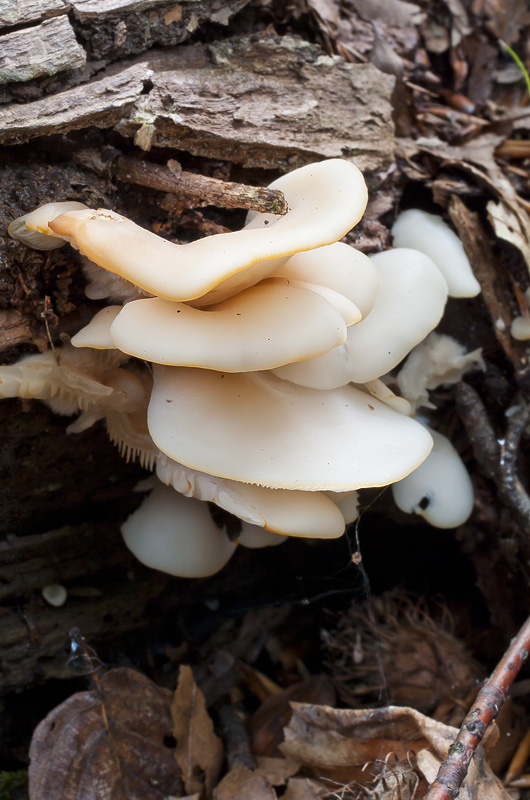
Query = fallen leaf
x=244 y=783
x=332 y=740
x=305 y=789
x=508 y=227
x=198 y=752
x=277 y=770
x=109 y=745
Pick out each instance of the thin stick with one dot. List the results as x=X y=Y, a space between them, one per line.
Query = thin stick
x=485 y=708
x=199 y=190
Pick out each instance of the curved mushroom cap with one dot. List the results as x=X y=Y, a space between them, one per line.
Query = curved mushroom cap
x=339 y=267
x=255 y=428
x=520 y=329
x=177 y=535
x=409 y=305
x=262 y=327
x=325 y=201
x=440 y=490
x=292 y=513
x=33 y=229
x=253 y=537
x=347 y=503
x=328 y=371
x=97 y=333
x=429 y=234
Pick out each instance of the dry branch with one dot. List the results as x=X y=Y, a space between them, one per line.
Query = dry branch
x=485 y=708
x=199 y=190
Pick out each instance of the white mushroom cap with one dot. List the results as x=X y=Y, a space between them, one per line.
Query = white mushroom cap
x=347 y=503
x=293 y=513
x=520 y=329
x=97 y=333
x=33 y=229
x=440 y=489
x=429 y=234
x=177 y=535
x=264 y=326
x=325 y=201
x=339 y=267
x=253 y=537
x=329 y=371
x=55 y=594
x=255 y=428
x=409 y=305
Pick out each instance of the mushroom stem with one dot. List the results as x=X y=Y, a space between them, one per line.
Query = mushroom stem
x=199 y=190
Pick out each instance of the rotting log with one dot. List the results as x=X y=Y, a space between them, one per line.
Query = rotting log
x=221 y=109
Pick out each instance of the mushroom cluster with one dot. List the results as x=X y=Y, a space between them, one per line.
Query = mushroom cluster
x=245 y=368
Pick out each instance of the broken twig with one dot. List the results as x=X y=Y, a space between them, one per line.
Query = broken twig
x=199 y=190
x=485 y=708
x=497 y=457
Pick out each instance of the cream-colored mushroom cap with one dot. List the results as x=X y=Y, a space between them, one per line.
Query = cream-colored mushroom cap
x=325 y=200
x=255 y=428
x=176 y=534
x=253 y=537
x=409 y=305
x=97 y=333
x=440 y=490
x=520 y=329
x=293 y=513
x=33 y=229
x=429 y=234
x=337 y=266
x=262 y=327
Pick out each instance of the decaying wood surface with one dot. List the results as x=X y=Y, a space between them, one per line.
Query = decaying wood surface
x=228 y=102
x=45 y=49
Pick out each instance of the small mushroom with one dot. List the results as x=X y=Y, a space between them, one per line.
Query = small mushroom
x=177 y=535
x=440 y=489
x=55 y=594
x=429 y=234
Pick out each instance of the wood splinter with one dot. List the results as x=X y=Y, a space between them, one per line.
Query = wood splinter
x=199 y=190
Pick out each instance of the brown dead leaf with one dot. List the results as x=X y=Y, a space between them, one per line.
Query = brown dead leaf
x=244 y=783
x=277 y=770
x=267 y=723
x=199 y=753
x=326 y=737
x=304 y=789
x=332 y=740
x=106 y=746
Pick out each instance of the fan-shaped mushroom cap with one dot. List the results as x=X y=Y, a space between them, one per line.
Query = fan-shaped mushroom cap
x=177 y=535
x=429 y=234
x=440 y=489
x=339 y=267
x=253 y=537
x=293 y=513
x=409 y=305
x=264 y=326
x=33 y=229
x=325 y=201
x=256 y=428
